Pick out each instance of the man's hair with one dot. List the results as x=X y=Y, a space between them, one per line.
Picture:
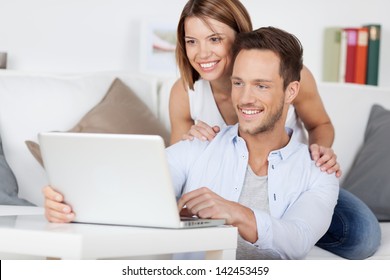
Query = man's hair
x=229 y=12
x=285 y=45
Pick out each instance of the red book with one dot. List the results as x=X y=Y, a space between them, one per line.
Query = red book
x=361 y=56
x=351 y=54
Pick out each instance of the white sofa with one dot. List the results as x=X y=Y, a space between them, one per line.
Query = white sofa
x=30 y=103
x=349 y=105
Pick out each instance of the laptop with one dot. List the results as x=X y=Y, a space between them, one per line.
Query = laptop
x=116 y=179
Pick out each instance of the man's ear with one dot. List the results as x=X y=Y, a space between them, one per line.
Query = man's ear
x=291 y=91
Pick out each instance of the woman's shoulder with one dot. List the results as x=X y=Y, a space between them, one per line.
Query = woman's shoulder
x=202 y=88
x=179 y=86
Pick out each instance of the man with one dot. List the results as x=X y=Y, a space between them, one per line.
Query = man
x=254 y=174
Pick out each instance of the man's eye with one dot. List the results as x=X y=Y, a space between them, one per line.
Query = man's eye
x=262 y=86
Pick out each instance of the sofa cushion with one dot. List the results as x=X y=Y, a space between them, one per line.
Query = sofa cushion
x=8 y=184
x=121 y=111
x=369 y=177
x=34 y=102
x=350 y=121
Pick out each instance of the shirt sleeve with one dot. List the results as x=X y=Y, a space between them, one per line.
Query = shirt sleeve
x=180 y=158
x=304 y=222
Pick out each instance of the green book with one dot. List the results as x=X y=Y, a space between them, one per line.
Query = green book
x=374 y=34
x=331 y=54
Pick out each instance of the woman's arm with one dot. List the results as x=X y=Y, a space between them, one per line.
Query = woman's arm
x=311 y=111
x=182 y=125
x=179 y=112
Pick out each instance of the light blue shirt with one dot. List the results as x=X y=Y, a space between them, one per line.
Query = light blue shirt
x=301 y=197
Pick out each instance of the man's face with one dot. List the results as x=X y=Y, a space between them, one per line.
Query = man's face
x=257 y=91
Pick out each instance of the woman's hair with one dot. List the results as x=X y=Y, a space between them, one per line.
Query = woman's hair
x=229 y=12
x=285 y=45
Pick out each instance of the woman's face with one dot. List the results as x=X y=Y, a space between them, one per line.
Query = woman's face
x=208 y=46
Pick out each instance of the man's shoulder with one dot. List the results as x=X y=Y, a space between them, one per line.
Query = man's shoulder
x=196 y=146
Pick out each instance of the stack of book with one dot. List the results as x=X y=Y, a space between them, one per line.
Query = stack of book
x=351 y=54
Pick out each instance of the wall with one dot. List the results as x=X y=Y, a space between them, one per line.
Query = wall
x=97 y=35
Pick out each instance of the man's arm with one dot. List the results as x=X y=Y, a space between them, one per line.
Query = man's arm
x=204 y=203
x=294 y=231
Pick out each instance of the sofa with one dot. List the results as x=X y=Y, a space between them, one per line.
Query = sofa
x=34 y=102
x=350 y=108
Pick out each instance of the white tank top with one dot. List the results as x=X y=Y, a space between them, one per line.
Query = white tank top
x=204 y=108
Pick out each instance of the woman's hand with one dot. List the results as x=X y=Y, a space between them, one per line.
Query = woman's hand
x=201 y=131
x=325 y=159
x=56 y=210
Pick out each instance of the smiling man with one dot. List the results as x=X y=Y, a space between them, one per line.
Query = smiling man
x=255 y=174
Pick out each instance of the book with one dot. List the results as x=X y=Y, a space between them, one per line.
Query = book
x=361 y=55
x=331 y=54
x=343 y=55
x=351 y=36
x=374 y=34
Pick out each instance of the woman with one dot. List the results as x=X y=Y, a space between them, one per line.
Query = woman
x=200 y=104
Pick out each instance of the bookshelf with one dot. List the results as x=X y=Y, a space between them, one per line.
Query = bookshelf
x=351 y=54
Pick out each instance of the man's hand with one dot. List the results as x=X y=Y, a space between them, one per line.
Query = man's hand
x=56 y=210
x=326 y=159
x=201 y=131
x=206 y=204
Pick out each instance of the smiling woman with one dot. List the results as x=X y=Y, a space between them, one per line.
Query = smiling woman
x=206 y=32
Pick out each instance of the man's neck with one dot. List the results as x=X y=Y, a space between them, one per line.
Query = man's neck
x=260 y=145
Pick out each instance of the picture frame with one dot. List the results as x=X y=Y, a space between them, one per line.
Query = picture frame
x=157 y=48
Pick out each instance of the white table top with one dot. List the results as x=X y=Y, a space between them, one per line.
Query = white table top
x=6 y=210
x=28 y=232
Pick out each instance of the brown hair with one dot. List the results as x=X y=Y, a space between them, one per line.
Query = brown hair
x=285 y=45
x=229 y=12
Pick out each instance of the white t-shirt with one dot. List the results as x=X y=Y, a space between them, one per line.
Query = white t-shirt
x=204 y=108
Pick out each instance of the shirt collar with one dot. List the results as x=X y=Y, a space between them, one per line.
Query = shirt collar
x=291 y=146
x=282 y=153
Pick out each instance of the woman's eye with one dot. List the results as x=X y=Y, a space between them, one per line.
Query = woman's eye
x=215 y=39
x=190 y=42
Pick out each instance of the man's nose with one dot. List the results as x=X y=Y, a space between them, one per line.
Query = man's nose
x=247 y=96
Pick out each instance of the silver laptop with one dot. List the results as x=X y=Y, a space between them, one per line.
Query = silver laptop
x=114 y=179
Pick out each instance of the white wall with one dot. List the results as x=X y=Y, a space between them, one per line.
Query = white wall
x=97 y=35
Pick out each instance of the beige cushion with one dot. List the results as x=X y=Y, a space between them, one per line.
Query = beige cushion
x=120 y=112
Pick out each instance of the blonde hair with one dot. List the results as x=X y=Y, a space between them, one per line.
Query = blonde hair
x=229 y=12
